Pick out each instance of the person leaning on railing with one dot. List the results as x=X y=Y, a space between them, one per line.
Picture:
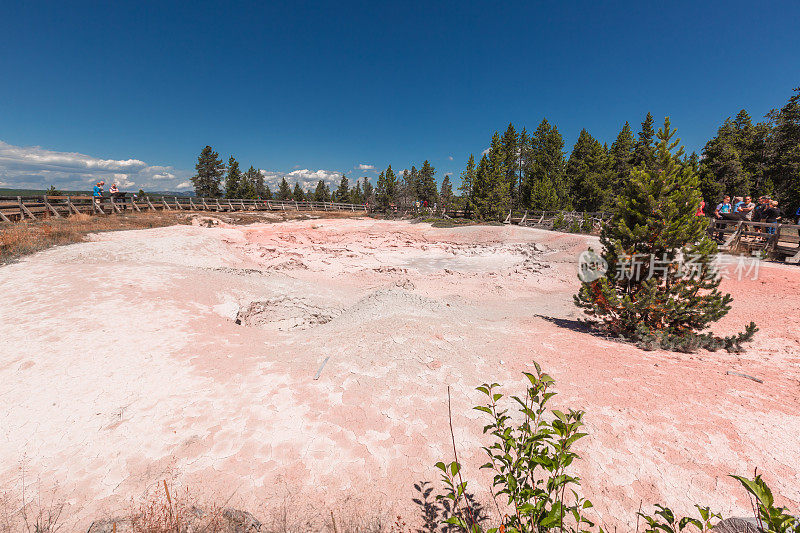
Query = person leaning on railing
x=97 y=192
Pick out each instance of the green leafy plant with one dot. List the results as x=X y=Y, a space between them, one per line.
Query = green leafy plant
x=770 y=518
x=533 y=487
x=664 y=520
x=531 y=464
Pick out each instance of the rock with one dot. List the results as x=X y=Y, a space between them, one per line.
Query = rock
x=737 y=525
x=240 y=521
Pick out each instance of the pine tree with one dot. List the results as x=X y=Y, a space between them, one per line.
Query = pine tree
x=446 y=193
x=407 y=188
x=267 y=194
x=248 y=183
x=297 y=194
x=621 y=153
x=232 y=179
x=356 y=195
x=589 y=173
x=644 y=153
x=386 y=191
x=545 y=185
x=660 y=304
x=426 y=184
x=369 y=192
x=523 y=151
x=209 y=169
x=259 y=185
x=784 y=165
x=467 y=184
x=491 y=195
x=343 y=192
x=284 y=191
x=510 y=144
x=319 y=192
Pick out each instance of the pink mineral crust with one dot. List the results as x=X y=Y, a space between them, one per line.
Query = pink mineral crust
x=122 y=365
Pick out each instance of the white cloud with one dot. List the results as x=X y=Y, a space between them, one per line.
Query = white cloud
x=486 y=152
x=307 y=179
x=35 y=167
x=362 y=166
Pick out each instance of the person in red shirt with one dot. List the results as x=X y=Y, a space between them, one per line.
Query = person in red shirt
x=701 y=209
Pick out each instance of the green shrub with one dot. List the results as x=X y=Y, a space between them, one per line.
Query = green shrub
x=533 y=481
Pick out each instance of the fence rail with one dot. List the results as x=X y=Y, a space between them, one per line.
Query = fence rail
x=18 y=208
x=781 y=241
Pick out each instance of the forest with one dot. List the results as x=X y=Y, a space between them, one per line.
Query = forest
x=532 y=170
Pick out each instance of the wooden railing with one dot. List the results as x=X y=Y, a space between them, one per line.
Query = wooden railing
x=17 y=208
x=770 y=239
x=781 y=241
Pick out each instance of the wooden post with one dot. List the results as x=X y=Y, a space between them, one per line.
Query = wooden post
x=24 y=210
x=205 y=205
x=219 y=207
x=96 y=207
x=114 y=205
x=241 y=201
x=191 y=204
x=50 y=207
x=4 y=218
x=133 y=203
x=230 y=204
x=149 y=203
x=295 y=206
x=71 y=206
x=166 y=205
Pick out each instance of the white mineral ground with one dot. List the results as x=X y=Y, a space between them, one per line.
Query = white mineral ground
x=121 y=365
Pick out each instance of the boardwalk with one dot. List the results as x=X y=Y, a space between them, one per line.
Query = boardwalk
x=17 y=208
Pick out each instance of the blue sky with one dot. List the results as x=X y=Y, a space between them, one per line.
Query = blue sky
x=310 y=90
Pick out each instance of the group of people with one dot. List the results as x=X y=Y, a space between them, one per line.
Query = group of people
x=97 y=191
x=743 y=208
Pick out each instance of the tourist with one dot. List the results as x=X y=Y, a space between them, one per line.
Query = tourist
x=723 y=208
x=97 y=192
x=772 y=215
x=701 y=209
x=758 y=212
x=738 y=201
x=746 y=208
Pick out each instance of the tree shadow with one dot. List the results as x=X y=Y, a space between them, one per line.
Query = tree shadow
x=580 y=326
x=434 y=511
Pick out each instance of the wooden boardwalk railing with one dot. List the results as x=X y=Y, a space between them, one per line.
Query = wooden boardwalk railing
x=771 y=239
x=17 y=208
x=781 y=241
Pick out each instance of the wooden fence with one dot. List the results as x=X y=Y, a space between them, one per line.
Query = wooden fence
x=769 y=239
x=780 y=241
x=17 y=208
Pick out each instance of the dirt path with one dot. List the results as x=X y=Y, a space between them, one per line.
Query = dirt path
x=122 y=364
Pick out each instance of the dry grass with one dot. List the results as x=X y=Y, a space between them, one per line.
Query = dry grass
x=23 y=238
x=28 y=237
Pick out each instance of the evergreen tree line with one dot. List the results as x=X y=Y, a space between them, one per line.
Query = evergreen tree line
x=415 y=185
x=532 y=171
x=215 y=180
